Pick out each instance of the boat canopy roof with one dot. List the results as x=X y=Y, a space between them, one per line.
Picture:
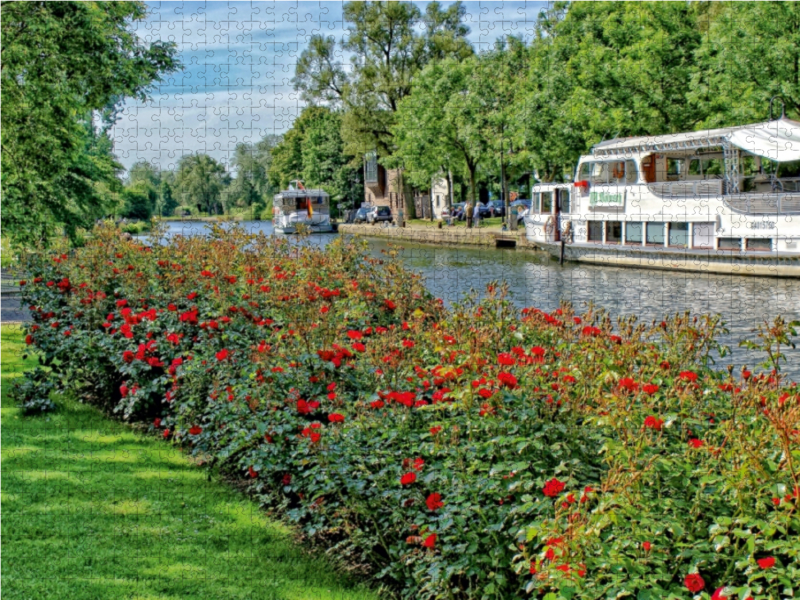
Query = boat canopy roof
x=302 y=194
x=777 y=140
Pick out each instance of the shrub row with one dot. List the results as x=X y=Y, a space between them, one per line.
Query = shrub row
x=472 y=452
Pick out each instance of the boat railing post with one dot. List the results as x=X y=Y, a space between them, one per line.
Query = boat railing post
x=561 y=254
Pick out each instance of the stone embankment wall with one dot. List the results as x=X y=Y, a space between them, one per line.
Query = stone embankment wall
x=434 y=235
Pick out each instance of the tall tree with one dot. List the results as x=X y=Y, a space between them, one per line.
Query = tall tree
x=253 y=162
x=201 y=181
x=441 y=124
x=62 y=62
x=749 y=53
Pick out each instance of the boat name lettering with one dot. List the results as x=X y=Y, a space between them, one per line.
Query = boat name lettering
x=762 y=225
x=606 y=199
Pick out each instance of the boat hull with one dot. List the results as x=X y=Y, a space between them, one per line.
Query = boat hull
x=760 y=264
x=286 y=225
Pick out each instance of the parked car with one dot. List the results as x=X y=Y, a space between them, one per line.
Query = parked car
x=379 y=213
x=484 y=210
x=496 y=208
x=361 y=215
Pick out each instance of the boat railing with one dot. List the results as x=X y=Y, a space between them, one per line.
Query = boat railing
x=701 y=188
x=764 y=204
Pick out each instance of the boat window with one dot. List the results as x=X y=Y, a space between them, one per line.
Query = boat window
x=613 y=232
x=675 y=168
x=617 y=169
x=631 y=175
x=694 y=167
x=563 y=200
x=547 y=203
x=679 y=234
x=301 y=204
x=713 y=166
x=594 y=231
x=633 y=233
x=536 y=203
x=655 y=233
x=599 y=172
x=762 y=245
x=729 y=243
x=585 y=171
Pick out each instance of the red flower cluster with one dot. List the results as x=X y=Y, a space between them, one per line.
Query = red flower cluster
x=553 y=487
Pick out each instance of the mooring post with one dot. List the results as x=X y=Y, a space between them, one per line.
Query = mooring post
x=561 y=254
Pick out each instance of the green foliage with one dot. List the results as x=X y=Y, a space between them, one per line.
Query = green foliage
x=313 y=151
x=572 y=457
x=64 y=63
x=110 y=476
x=140 y=199
x=200 y=182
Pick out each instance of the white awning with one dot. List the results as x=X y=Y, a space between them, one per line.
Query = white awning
x=776 y=140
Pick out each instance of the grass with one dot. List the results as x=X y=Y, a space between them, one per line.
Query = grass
x=94 y=510
x=490 y=223
x=6 y=256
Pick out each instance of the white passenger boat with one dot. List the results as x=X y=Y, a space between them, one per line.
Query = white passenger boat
x=720 y=200
x=299 y=206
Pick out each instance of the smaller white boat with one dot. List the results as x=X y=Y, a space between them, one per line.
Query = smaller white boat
x=299 y=206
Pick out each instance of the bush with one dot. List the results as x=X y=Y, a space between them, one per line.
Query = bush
x=463 y=453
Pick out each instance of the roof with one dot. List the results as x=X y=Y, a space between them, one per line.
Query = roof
x=777 y=140
x=302 y=193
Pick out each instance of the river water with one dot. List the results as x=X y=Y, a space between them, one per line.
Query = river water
x=536 y=280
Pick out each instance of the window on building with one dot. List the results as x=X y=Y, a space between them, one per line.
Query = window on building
x=594 y=231
x=760 y=244
x=438 y=200
x=371 y=168
x=613 y=232
x=679 y=234
x=729 y=243
x=633 y=233
x=655 y=233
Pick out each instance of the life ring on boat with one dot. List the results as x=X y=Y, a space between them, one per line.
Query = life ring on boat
x=566 y=233
x=550 y=225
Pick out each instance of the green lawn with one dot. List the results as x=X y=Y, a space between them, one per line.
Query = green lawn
x=93 y=510
x=490 y=223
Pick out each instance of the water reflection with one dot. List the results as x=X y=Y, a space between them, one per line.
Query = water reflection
x=536 y=280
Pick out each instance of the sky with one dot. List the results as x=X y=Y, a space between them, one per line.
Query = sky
x=239 y=60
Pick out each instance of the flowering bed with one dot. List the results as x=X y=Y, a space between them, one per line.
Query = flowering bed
x=472 y=452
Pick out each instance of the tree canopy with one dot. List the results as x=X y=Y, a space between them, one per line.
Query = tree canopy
x=66 y=67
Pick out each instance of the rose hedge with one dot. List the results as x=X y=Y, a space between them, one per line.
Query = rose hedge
x=472 y=452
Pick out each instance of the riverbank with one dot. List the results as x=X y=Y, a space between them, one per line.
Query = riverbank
x=95 y=510
x=431 y=234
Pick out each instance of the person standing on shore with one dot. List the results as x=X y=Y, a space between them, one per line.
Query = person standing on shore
x=468 y=214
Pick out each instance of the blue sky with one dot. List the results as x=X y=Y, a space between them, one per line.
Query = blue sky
x=239 y=60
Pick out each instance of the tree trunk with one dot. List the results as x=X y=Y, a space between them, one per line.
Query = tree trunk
x=408 y=198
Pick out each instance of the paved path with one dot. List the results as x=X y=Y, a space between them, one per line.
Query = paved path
x=11 y=310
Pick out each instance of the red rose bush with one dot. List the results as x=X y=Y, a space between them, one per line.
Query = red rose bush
x=470 y=452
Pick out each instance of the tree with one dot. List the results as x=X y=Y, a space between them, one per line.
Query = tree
x=749 y=54
x=253 y=162
x=313 y=151
x=439 y=125
x=140 y=199
x=200 y=182
x=63 y=64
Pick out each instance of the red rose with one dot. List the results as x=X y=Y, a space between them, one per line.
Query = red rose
x=287 y=479
x=694 y=583
x=688 y=376
x=389 y=304
x=166 y=433
x=652 y=422
x=354 y=335
x=434 y=502
x=253 y=473
x=766 y=563
x=553 y=487
x=506 y=359
x=718 y=595
x=628 y=384
x=436 y=429
x=157 y=423
x=195 y=430
x=222 y=354
x=508 y=380
x=647 y=546
x=336 y=418
x=408 y=479
x=695 y=443
x=650 y=388
x=430 y=541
